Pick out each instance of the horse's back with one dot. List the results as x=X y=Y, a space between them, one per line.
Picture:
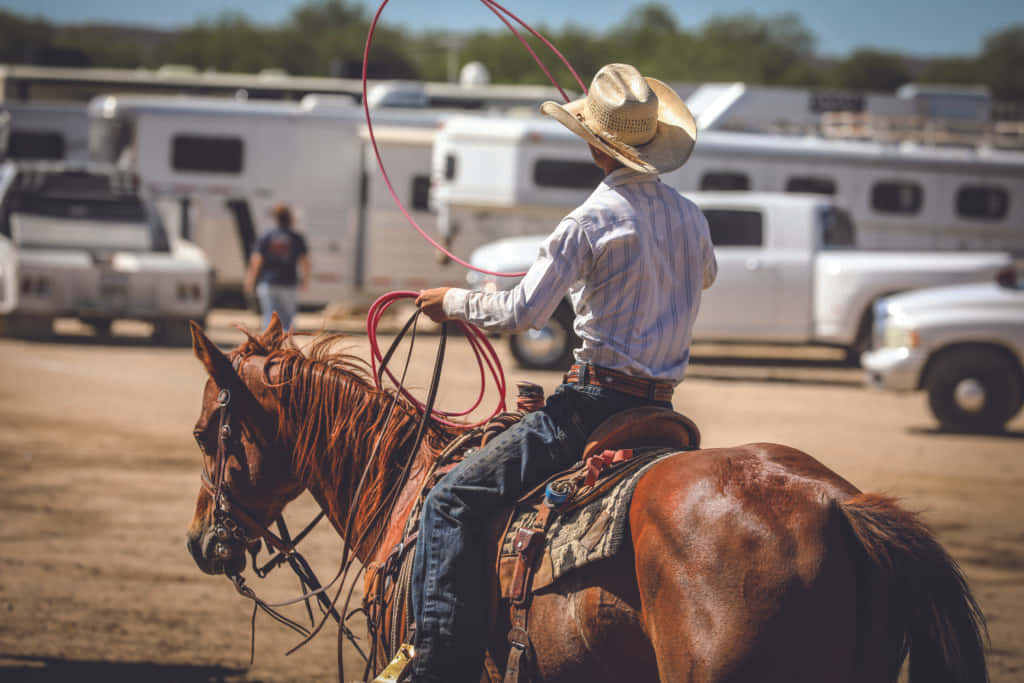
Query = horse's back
x=742 y=567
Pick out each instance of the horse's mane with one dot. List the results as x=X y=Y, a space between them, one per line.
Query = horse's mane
x=330 y=407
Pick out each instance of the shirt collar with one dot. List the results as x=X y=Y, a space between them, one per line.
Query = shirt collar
x=623 y=175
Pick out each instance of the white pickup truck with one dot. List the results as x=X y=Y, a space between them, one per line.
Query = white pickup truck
x=788 y=273
x=81 y=241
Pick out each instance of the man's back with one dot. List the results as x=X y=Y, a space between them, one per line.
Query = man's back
x=281 y=250
x=651 y=256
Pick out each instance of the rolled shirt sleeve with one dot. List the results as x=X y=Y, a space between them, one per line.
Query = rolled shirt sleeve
x=561 y=260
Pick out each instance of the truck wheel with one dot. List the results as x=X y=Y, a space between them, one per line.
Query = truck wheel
x=973 y=390
x=101 y=326
x=173 y=332
x=549 y=348
x=26 y=326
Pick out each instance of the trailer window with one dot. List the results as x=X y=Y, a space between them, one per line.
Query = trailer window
x=35 y=145
x=811 y=185
x=987 y=202
x=421 y=192
x=569 y=174
x=206 y=154
x=896 y=197
x=449 y=167
x=735 y=228
x=717 y=180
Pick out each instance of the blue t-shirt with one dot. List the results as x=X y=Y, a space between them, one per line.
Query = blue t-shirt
x=281 y=250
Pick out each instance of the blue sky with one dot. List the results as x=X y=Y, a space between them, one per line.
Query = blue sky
x=917 y=27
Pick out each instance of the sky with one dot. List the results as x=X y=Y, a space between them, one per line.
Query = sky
x=926 y=28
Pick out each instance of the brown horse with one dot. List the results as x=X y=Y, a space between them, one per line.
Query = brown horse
x=751 y=563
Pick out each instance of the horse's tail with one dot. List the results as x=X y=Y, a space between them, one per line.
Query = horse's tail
x=931 y=612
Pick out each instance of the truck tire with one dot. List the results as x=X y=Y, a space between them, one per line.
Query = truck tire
x=973 y=390
x=549 y=348
x=101 y=326
x=27 y=326
x=172 y=332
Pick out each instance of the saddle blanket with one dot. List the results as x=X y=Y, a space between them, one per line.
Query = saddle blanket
x=591 y=526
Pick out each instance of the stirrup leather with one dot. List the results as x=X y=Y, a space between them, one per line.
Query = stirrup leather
x=396 y=671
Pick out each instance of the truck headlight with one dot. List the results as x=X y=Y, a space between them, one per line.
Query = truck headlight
x=897 y=336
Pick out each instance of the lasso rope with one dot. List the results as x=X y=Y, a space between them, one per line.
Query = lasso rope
x=482 y=348
x=504 y=15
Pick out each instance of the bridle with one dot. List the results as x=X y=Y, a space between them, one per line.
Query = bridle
x=226 y=526
x=231 y=522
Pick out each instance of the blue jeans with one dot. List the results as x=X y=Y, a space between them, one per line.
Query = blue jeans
x=448 y=590
x=281 y=298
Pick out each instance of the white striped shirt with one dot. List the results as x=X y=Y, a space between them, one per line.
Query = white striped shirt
x=634 y=258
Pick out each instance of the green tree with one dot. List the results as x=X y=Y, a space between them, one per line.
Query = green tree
x=1002 y=62
x=871 y=70
x=954 y=70
x=21 y=38
x=748 y=48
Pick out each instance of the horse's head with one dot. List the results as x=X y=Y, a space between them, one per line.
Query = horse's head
x=247 y=475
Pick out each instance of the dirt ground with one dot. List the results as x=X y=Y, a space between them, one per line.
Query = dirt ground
x=100 y=476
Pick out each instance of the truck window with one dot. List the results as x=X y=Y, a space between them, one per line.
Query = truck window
x=896 y=196
x=735 y=228
x=449 y=167
x=987 y=202
x=35 y=145
x=836 y=228
x=721 y=180
x=206 y=154
x=569 y=174
x=811 y=185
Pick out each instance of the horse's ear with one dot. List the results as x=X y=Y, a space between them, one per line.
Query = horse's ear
x=216 y=363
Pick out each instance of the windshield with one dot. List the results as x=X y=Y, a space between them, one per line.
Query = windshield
x=111 y=222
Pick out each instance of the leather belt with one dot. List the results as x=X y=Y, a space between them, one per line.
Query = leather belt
x=595 y=375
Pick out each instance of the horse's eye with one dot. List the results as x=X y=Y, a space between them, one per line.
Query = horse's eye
x=199 y=442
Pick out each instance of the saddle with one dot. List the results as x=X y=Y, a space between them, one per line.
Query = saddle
x=573 y=519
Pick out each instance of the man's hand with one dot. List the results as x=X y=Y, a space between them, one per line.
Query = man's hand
x=431 y=301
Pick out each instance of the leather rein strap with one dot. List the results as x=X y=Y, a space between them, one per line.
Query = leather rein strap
x=231 y=520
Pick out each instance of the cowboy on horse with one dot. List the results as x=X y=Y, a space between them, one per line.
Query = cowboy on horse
x=744 y=563
x=634 y=258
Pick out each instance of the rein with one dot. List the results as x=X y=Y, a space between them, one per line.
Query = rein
x=231 y=520
x=227 y=516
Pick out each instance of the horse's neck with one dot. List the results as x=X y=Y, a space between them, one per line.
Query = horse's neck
x=354 y=481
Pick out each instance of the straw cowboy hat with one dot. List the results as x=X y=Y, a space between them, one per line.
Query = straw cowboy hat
x=639 y=121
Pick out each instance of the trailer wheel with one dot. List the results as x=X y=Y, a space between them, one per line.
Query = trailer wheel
x=973 y=390
x=549 y=348
x=172 y=332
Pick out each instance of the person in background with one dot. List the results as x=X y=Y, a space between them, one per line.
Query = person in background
x=278 y=267
x=634 y=258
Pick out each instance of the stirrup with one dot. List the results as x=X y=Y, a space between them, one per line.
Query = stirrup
x=397 y=670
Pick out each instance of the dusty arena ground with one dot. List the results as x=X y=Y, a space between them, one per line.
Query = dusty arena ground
x=100 y=475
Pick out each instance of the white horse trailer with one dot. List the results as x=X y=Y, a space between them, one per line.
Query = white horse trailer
x=47 y=131
x=220 y=165
x=498 y=178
